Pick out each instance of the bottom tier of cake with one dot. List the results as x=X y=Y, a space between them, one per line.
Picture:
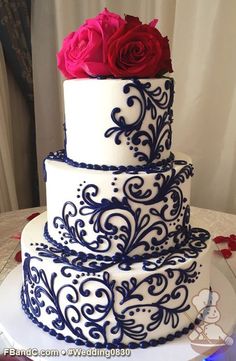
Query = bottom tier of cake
x=112 y=303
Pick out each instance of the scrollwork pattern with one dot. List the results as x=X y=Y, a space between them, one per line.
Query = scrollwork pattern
x=166 y=188
x=43 y=294
x=121 y=224
x=155 y=137
x=95 y=307
x=80 y=263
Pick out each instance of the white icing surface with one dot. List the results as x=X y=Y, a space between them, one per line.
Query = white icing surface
x=88 y=107
x=32 y=233
x=65 y=183
x=23 y=334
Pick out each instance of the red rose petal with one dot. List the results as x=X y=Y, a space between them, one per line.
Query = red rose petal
x=32 y=216
x=226 y=253
x=18 y=257
x=221 y=239
x=232 y=245
x=233 y=237
x=16 y=236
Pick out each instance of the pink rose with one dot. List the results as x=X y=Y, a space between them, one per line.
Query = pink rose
x=84 y=52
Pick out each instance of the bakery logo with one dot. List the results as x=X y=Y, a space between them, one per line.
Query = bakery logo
x=208 y=336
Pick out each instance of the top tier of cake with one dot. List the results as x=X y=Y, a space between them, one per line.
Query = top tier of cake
x=118 y=121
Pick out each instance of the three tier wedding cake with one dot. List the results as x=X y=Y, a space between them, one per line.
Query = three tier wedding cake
x=114 y=262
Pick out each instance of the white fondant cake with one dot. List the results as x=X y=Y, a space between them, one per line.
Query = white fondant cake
x=115 y=261
x=133 y=214
x=114 y=108
x=106 y=303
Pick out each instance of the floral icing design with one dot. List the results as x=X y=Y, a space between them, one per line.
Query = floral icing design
x=154 y=137
x=91 y=263
x=93 y=305
x=191 y=250
x=166 y=188
x=156 y=286
x=120 y=225
x=126 y=237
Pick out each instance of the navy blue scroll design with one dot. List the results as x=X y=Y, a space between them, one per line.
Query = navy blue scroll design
x=82 y=263
x=103 y=216
x=105 y=307
x=162 y=309
x=135 y=227
x=154 y=138
x=165 y=189
x=40 y=292
x=120 y=223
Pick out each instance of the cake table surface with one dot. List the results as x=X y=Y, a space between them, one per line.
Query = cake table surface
x=217 y=223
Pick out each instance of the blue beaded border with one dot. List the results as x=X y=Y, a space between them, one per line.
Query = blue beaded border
x=119 y=345
x=61 y=156
x=120 y=257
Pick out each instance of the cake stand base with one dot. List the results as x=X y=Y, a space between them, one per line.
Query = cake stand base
x=22 y=334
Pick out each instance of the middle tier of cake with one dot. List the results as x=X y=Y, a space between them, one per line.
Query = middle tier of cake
x=109 y=214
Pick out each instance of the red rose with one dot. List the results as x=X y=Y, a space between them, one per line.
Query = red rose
x=84 y=51
x=138 y=50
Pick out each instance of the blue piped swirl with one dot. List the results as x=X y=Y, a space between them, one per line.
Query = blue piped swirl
x=119 y=224
x=149 y=134
x=108 y=345
x=197 y=242
x=41 y=292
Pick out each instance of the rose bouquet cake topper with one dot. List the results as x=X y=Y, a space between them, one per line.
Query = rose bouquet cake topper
x=110 y=46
